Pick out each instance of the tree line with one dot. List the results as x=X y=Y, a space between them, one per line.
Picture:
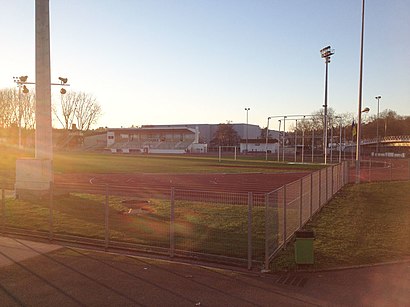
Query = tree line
x=389 y=123
x=79 y=108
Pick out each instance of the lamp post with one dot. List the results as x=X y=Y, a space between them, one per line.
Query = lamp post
x=247 y=110
x=326 y=53
x=377 y=123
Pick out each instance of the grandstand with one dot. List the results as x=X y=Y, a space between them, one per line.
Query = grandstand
x=167 y=140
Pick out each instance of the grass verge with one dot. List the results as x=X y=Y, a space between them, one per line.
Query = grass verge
x=363 y=224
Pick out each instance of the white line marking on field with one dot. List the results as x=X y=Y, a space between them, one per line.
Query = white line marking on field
x=91 y=180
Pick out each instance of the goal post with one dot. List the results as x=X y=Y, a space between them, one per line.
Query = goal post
x=226 y=147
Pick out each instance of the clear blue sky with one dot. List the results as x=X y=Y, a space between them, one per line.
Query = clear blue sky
x=196 y=61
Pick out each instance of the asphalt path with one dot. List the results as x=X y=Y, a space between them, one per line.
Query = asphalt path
x=51 y=275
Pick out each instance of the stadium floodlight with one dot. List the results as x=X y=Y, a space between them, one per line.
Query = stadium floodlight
x=326 y=53
x=63 y=80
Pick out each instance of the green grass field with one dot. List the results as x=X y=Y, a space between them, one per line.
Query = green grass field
x=211 y=228
x=364 y=224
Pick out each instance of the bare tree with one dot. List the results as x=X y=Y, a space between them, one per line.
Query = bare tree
x=15 y=109
x=68 y=107
x=79 y=108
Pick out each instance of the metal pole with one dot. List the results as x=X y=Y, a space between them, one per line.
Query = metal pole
x=340 y=141
x=377 y=124
x=325 y=115
x=313 y=144
x=301 y=203
x=311 y=195
x=303 y=142
x=172 y=225
x=266 y=232
x=247 y=110
x=284 y=217
x=283 y=138
x=296 y=129
x=106 y=215
x=331 y=143
x=279 y=140
x=360 y=101
x=266 y=144
x=320 y=188
x=250 y=200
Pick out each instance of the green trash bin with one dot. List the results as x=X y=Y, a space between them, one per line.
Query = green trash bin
x=304 y=247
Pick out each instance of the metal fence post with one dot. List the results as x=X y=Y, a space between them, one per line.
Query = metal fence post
x=332 y=189
x=172 y=225
x=300 y=203
x=250 y=200
x=266 y=232
x=106 y=215
x=370 y=171
x=320 y=188
x=284 y=216
x=50 y=212
x=311 y=195
x=327 y=188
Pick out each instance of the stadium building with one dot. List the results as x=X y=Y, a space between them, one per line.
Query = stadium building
x=175 y=139
x=150 y=139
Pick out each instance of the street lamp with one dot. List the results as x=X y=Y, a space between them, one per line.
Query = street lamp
x=377 y=123
x=326 y=53
x=247 y=110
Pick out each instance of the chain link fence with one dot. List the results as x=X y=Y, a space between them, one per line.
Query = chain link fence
x=241 y=228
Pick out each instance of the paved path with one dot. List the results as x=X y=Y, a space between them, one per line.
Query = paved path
x=33 y=274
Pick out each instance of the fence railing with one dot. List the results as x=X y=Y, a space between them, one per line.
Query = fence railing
x=242 y=228
x=372 y=170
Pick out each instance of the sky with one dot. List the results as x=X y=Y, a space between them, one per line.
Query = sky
x=205 y=61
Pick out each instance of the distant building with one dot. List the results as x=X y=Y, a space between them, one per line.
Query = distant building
x=178 y=139
x=153 y=139
x=259 y=145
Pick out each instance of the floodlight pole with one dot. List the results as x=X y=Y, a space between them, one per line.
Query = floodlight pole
x=326 y=53
x=358 y=139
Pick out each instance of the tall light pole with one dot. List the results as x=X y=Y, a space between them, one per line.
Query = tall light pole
x=358 y=140
x=377 y=123
x=326 y=53
x=247 y=110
